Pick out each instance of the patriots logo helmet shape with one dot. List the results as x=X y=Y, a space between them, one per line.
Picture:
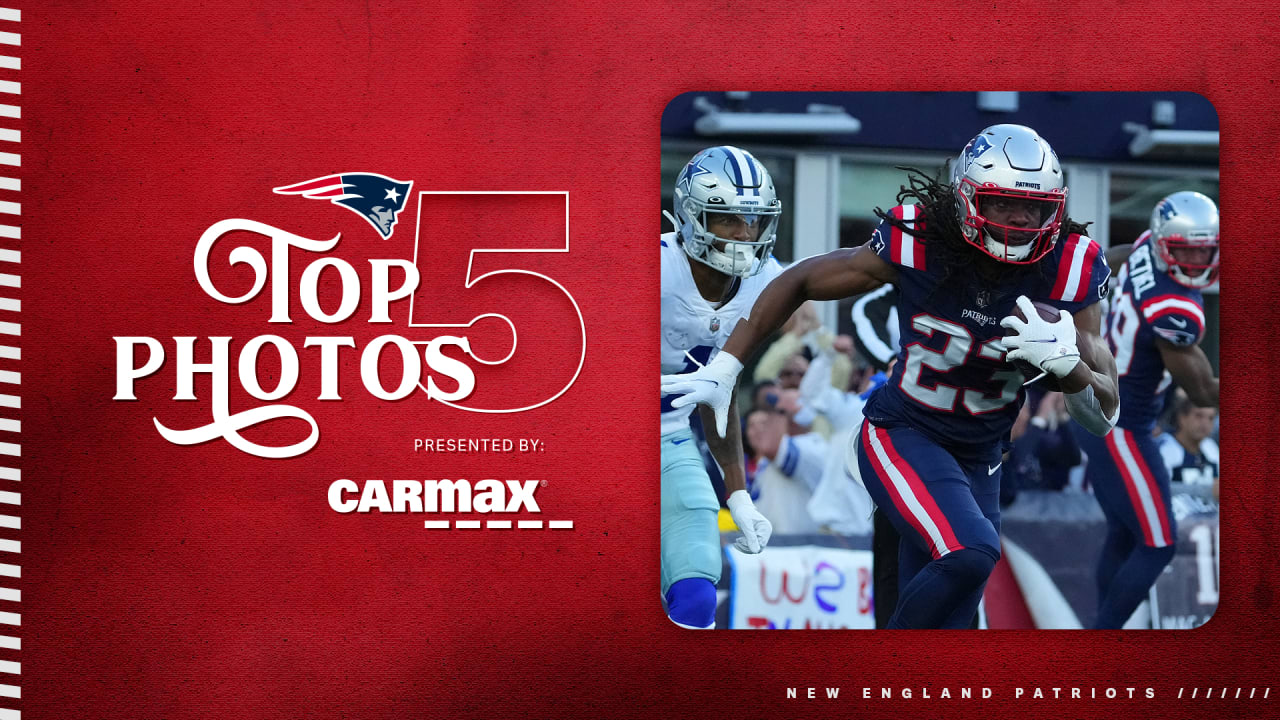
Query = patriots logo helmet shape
x=376 y=198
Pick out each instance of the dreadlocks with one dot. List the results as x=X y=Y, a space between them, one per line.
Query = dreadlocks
x=938 y=226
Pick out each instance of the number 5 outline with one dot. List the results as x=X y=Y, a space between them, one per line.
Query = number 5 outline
x=582 y=326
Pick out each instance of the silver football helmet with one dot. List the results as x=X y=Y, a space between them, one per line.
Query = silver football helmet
x=1184 y=233
x=1010 y=195
x=726 y=210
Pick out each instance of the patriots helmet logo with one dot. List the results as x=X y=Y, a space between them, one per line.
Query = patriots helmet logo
x=1166 y=209
x=975 y=149
x=376 y=198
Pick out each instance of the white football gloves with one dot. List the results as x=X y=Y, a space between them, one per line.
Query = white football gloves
x=755 y=527
x=1050 y=346
x=711 y=385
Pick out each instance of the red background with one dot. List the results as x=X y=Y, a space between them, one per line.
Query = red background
x=166 y=581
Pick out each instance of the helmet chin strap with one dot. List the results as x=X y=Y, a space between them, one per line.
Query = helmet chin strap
x=1204 y=279
x=674 y=222
x=999 y=249
x=733 y=260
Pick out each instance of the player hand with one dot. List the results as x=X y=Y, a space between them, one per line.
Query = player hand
x=1050 y=346
x=711 y=385
x=755 y=527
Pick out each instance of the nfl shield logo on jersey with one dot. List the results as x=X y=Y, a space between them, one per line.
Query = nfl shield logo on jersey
x=983 y=299
x=715 y=324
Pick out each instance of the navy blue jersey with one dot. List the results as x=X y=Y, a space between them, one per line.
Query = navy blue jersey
x=1148 y=305
x=952 y=382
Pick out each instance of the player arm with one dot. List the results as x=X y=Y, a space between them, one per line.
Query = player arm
x=1092 y=391
x=1190 y=368
x=834 y=275
x=1116 y=255
x=726 y=450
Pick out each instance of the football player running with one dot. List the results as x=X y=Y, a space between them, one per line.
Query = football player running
x=713 y=268
x=964 y=255
x=1155 y=323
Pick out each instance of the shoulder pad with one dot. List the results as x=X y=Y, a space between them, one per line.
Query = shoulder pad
x=1174 y=318
x=895 y=246
x=1082 y=271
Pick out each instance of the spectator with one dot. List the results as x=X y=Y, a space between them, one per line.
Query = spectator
x=1044 y=449
x=792 y=371
x=802 y=335
x=1190 y=452
x=789 y=465
x=764 y=395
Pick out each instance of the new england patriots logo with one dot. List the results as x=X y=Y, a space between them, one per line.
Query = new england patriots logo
x=376 y=198
x=975 y=149
x=1166 y=209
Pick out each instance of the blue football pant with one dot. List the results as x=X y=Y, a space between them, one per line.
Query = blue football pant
x=1131 y=484
x=948 y=514
x=690 y=531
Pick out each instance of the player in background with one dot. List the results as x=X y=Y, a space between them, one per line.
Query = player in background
x=963 y=257
x=1155 y=323
x=713 y=269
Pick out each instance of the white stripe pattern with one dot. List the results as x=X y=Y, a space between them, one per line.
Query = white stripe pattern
x=866 y=332
x=1076 y=265
x=489 y=524
x=744 y=165
x=904 y=491
x=1183 y=304
x=909 y=240
x=10 y=377
x=1141 y=483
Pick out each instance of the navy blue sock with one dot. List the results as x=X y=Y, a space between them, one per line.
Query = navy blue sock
x=691 y=603
x=1129 y=586
x=944 y=589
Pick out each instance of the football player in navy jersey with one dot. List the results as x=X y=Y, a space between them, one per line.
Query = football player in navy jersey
x=1156 y=322
x=963 y=256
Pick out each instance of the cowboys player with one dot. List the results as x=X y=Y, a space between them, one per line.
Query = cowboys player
x=966 y=254
x=1155 y=324
x=713 y=268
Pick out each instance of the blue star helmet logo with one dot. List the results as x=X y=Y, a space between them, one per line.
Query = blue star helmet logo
x=376 y=198
x=1166 y=209
x=692 y=170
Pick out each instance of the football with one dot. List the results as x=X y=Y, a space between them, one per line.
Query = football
x=1050 y=314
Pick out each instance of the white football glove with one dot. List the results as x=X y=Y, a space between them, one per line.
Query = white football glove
x=755 y=527
x=711 y=385
x=1050 y=346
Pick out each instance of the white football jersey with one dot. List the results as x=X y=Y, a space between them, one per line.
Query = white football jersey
x=693 y=325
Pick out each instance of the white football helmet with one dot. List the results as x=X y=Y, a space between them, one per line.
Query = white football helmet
x=1009 y=166
x=726 y=210
x=1183 y=223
